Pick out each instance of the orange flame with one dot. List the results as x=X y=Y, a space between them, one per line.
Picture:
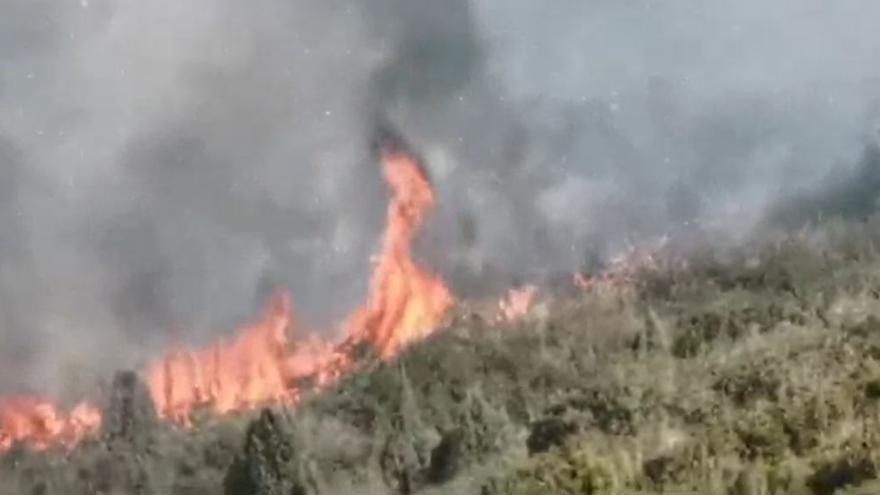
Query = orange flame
x=622 y=270
x=261 y=365
x=42 y=425
x=406 y=301
x=239 y=374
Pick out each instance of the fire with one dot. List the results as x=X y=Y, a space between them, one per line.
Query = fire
x=41 y=424
x=245 y=372
x=406 y=302
x=262 y=364
x=622 y=270
x=516 y=304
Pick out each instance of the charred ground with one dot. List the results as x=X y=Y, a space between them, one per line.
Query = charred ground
x=740 y=371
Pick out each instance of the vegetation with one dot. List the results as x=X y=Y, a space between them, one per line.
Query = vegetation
x=746 y=371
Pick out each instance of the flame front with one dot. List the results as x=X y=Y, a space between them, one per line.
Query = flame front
x=41 y=425
x=261 y=364
x=243 y=373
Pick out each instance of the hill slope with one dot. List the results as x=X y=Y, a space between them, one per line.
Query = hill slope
x=747 y=371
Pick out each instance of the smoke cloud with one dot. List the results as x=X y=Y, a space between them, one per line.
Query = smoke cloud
x=163 y=165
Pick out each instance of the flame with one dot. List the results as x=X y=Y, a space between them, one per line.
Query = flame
x=622 y=271
x=243 y=373
x=41 y=424
x=582 y=281
x=516 y=304
x=406 y=302
x=261 y=365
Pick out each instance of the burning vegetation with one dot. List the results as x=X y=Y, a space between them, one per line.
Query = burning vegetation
x=749 y=366
x=754 y=372
x=266 y=362
x=665 y=371
x=40 y=424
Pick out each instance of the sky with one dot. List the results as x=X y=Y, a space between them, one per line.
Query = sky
x=165 y=164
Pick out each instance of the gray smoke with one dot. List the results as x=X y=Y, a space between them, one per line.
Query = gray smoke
x=163 y=165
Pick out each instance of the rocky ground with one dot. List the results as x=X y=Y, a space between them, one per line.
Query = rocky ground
x=742 y=371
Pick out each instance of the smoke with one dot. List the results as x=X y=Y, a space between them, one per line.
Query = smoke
x=165 y=164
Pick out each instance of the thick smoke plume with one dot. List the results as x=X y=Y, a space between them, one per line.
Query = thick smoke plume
x=163 y=165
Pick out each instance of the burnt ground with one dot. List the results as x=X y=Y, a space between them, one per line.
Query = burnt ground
x=753 y=370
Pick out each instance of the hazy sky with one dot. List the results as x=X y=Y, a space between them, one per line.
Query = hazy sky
x=164 y=163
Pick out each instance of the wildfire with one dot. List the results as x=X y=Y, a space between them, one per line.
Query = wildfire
x=262 y=364
x=41 y=424
x=406 y=302
x=622 y=270
x=245 y=372
x=516 y=304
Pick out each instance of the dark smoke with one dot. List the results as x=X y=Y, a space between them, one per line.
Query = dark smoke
x=167 y=164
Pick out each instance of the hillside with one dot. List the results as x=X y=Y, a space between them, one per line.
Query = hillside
x=753 y=370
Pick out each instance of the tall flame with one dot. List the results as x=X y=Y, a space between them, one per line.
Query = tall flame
x=261 y=365
x=406 y=301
